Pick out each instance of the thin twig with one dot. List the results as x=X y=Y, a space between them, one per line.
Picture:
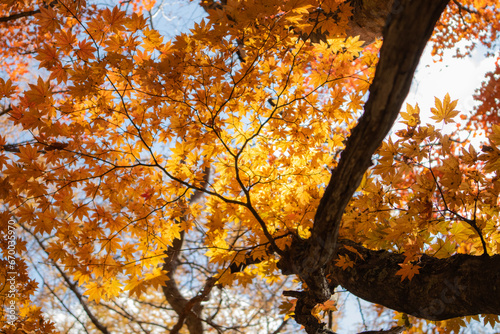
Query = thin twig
x=462 y=7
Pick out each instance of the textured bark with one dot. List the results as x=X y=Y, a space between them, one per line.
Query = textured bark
x=446 y=288
x=368 y=19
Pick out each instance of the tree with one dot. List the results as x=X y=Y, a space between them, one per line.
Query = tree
x=162 y=185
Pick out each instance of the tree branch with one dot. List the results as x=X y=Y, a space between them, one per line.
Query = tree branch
x=409 y=27
x=19 y=15
x=24 y=14
x=462 y=7
x=5 y=110
x=405 y=37
x=457 y=286
x=173 y=295
x=393 y=330
x=15 y=148
x=188 y=310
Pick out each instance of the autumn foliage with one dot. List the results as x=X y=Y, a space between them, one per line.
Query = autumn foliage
x=155 y=184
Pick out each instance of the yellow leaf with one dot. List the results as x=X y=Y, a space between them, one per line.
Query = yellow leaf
x=136 y=287
x=113 y=288
x=445 y=110
x=94 y=291
x=411 y=116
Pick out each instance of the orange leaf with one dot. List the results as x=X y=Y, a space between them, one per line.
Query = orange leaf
x=39 y=93
x=115 y=19
x=6 y=88
x=344 y=262
x=85 y=50
x=408 y=270
x=47 y=19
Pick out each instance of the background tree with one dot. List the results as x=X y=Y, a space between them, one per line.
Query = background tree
x=234 y=176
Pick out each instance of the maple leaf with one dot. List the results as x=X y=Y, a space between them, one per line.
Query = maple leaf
x=136 y=287
x=329 y=305
x=408 y=270
x=445 y=110
x=40 y=92
x=136 y=22
x=495 y=134
x=47 y=19
x=287 y=308
x=112 y=288
x=149 y=4
x=57 y=251
x=60 y=73
x=412 y=115
x=4 y=187
x=65 y=40
x=6 y=88
x=95 y=291
x=28 y=154
x=469 y=156
x=115 y=18
x=152 y=40
x=157 y=278
x=48 y=57
x=491 y=319
x=86 y=50
x=148 y=194
x=344 y=262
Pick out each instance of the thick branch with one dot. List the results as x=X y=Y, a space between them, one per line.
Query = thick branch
x=188 y=310
x=15 y=148
x=409 y=26
x=446 y=288
x=173 y=295
x=408 y=30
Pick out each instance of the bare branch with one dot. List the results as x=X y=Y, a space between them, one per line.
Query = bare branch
x=16 y=16
x=5 y=110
